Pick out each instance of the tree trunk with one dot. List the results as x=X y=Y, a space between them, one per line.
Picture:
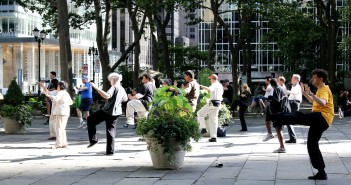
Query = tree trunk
x=65 y=44
x=162 y=25
x=155 y=43
x=246 y=34
x=212 y=45
x=102 y=38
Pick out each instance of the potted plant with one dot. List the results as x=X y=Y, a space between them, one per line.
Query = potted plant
x=169 y=128
x=16 y=115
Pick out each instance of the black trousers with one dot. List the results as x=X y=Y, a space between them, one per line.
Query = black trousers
x=242 y=109
x=111 y=121
x=317 y=125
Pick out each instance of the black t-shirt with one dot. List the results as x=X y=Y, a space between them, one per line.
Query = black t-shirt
x=228 y=93
x=147 y=89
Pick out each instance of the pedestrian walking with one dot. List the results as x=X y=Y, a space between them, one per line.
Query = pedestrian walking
x=60 y=114
x=211 y=108
x=109 y=113
x=86 y=101
x=192 y=89
x=318 y=120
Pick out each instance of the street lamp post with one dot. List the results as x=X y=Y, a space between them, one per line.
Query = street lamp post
x=93 y=51
x=39 y=37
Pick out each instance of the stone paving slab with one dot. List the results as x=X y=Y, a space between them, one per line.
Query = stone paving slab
x=247 y=160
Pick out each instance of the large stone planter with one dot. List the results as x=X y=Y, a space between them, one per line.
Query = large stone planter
x=160 y=160
x=12 y=126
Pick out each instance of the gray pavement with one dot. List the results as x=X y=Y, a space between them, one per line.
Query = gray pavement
x=29 y=159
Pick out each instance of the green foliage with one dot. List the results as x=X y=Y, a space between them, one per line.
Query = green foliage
x=295 y=33
x=14 y=94
x=14 y=106
x=22 y=113
x=186 y=57
x=171 y=118
x=224 y=115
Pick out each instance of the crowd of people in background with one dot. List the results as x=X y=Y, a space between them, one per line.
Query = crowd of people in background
x=277 y=102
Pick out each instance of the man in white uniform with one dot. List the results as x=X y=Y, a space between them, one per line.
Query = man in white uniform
x=211 y=108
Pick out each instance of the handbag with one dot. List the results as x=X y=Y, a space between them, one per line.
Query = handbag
x=110 y=103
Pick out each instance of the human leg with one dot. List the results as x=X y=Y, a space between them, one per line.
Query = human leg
x=61 y=138
x=93 y=120
x=111 y=122
x=213 y=120
x=292 y=134
x=242 y=108
x=133 y=106
x=52 y=126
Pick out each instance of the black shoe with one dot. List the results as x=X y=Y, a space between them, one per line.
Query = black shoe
x=243 y=130
x=212 y=140
x=92 y=144
x=109 y=154
x=291 y=141
x=203 y=131
x=126 y=125
x=319 y=176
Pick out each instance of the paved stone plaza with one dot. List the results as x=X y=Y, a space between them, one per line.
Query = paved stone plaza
x=29 y=159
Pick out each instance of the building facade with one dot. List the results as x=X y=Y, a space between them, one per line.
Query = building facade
x=19 y=50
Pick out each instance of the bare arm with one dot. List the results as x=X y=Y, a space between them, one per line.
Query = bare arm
x=204 y=87
x=312 y=97
x=104 y=94
x=42 y=86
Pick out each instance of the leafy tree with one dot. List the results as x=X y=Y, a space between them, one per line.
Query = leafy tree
x=328 y=19
x=295 y=33
x=186 y=58
x=55 y=15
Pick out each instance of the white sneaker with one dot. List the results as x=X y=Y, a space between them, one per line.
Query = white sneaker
x=279 y=150
x=341 y=113
x=268 y=137
x=82 y=124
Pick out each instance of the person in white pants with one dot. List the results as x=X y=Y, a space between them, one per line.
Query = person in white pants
x=60 y=113
x=211 y=108
x=139 y=102
x=51 y=119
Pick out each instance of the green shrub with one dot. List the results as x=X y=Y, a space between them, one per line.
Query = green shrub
x=14 y=94
x=14 y=106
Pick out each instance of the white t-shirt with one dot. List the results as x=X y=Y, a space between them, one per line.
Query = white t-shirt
x=216 y=91
x=270 y=92
x=296 y=93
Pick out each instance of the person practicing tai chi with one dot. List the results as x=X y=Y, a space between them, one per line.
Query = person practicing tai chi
x=319 y=120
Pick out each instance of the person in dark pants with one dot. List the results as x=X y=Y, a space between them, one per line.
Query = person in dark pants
x=243 y=103
x=319 y=119
x=109 y=113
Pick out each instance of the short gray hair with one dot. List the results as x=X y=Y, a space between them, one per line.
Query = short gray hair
x=298 y=77
x=115 y=76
